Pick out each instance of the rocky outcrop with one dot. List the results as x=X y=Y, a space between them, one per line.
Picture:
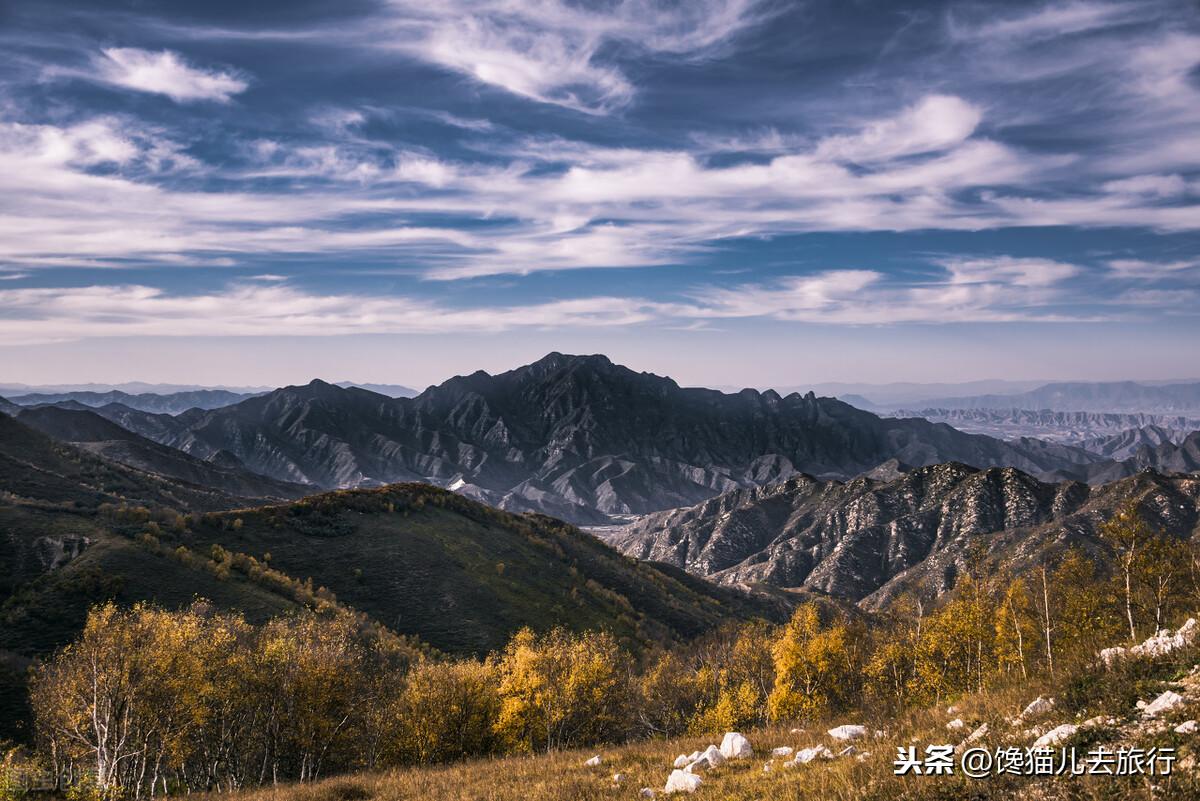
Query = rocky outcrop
x=867 y=540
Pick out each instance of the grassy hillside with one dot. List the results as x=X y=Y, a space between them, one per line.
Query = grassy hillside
x=864 y=775
x=464 y=577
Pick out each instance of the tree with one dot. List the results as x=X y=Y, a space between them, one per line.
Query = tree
x=1126 y=533
x=811 y=667
x=561 y=690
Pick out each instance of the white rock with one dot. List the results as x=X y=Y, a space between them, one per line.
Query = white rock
x=766 y=767
x=680 y=782
x=1167 y=641
x=782 y=751
x=595 y=761
x=1163 y=703
x=1187 y=727
x=618 y=778
x=1038 y=706
x=697 y=767
x=735 y=746
x=797 y=731
x=951 y=710
x=1110 y=656
x=682 y=761
x=978 y=733
x=1056 y=735
x=956 y=725
x=847 y=751
x=1090 y=722
x=862 y=756
x=880 y=734
x=847 y=732
x=806 y=755
x=646 y=792
x=713 y=756
x=692 y=757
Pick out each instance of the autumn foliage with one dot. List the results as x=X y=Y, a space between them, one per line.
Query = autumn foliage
x=150 y=702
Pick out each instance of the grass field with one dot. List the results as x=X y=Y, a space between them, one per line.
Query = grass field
x=563 y=776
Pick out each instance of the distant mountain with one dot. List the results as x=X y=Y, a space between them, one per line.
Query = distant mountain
x=1070 y=428
x=1125 y=444
x=1166 y=457
x=173 y=403
x=37 y=467
x=577 y=437
x=1116 y=396
x=94 y=434
x=904 y=393
x=868 y=540
x=131 y=387
x=391 y=390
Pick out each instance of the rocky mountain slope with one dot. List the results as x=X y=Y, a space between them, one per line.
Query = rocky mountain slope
x=96 y=435
x=1088 y=430
x=577 y=437
x=867 y=540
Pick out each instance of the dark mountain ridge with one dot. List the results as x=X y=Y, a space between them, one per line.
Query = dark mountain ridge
x=169 y=403
x=869 y=540
x=578 y=437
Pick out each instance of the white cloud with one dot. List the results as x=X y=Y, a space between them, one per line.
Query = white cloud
x=550 y=50
x=1142 y=270
x=40 y=315
x=936 y=123
x=165 y=73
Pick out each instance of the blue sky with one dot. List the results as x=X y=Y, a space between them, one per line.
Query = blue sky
x=731 y=192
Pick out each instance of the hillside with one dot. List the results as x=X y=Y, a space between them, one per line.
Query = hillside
x=867 y=540
x=157 y=403
x=94 y=434
x=577 y=437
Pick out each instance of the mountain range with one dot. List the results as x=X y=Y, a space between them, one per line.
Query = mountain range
x=870 y=540
x=1088 y=430
x=1112 y=396
x=577 y=437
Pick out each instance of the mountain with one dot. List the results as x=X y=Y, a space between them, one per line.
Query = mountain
x=172 y=403
x=1125 y=444
x=1088 y=430
x=577 y=437
x=94 y=434
x=1164 y=457
x=39 y=468
x=905 y=393
x=869 y=540
x=1114 y=396
x=131 y=387
x=391 y=390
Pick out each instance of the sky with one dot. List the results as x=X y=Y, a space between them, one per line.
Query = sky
x=730 y=192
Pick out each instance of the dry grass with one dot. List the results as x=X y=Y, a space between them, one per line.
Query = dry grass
x=562 y=776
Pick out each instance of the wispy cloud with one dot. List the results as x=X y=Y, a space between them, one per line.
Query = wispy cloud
x=165 y=73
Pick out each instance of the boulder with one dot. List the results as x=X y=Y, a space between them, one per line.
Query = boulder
x=594 y=762
x=680 y=782
x=782 y=751
x=735 y=746
x=1163 y=703
x=848 y=732
x=1187 y=727
x=682 y=761
x=1055 y=736
x=1038 y=706
x=646 y=792
x=806 y=755
x=713 y=756
x=956 y=725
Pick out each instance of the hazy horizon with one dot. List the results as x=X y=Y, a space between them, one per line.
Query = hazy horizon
x=729 y=192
